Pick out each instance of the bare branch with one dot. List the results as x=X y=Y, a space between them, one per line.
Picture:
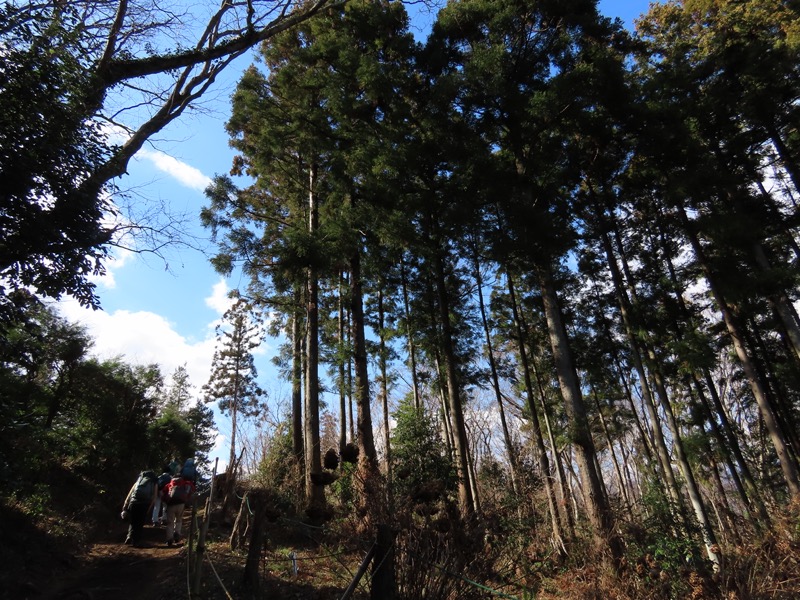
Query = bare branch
x=119 y=70
x=113 y=34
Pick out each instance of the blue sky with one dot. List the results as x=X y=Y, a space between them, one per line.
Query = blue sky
x=166 y=311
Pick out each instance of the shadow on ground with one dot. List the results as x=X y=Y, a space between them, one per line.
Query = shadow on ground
x=111 y=570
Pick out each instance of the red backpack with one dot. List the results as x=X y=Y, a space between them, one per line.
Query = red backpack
x=179 y=491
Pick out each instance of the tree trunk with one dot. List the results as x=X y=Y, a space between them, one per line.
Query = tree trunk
x=241 y=525
x=459 y=431
x=784 y=154
x=234 y=426
x=366 y=441
x=788 y=465
x=647 y=443
x=495 y=379
x=662 y=452
x=780 y=304
x=342 y=375
x=712 y=549
x=622 y=489
x=569 y=522
x=412 y=351
x=383 y=579
x=776 y=391
x=369 y=495
x=578 y=430
x=251 y=578
x=315 y=494
x=541 y=451
x=753 y=497
x=725 y=437
x=297 y=387
x=384 y=387
x=653 y=367
x=727 y=519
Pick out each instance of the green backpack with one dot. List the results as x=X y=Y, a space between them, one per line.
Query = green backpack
x=145 y=487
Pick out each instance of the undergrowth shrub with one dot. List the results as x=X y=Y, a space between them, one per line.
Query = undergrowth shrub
x=439 y=557
x=667 y=557
x=280 y=474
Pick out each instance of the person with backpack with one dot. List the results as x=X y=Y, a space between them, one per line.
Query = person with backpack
x=177 y=493
x=159 y=508
x=140 y=498
x=189 y=470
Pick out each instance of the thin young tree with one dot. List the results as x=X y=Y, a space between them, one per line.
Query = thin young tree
x=179 y=392
x=233 y=381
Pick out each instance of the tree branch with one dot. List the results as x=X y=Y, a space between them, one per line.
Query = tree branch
x=120 y=70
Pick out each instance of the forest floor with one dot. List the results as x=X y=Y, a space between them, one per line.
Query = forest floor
x=97 y=565
x=111 y=570
x=82 y=556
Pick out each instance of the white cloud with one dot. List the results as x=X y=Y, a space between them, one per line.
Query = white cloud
x=118 y=259
x=219 y=299
x=143 y=337
x=185 y=174
x=116 y=134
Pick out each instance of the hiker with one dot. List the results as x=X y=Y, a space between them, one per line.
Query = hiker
x=159 y=508
x=189 y=470
x=178 y=492
x=140 y=498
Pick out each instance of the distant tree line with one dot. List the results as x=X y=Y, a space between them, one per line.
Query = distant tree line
x=63 y=409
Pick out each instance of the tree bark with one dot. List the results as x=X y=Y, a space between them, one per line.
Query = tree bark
x=369 y=495
x=541 y=451
x=596 y=503
x=787 y=463
x=251 y=577
x=384 y=386
x=700 y=512
x=315 y=494
x=342 y=374
x=662 y=452
x=412 y=351
x=459 y=431
x=297 y=385
x=780 y=303
x=366 y=441
x=495 y=379
x=726 y=438
x=614 y=461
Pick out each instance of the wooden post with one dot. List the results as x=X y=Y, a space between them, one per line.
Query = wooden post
x=348 y=593
x=190 y=541
x=251 y=576
x=236 y=533
x=383 y=584
x=201 y=539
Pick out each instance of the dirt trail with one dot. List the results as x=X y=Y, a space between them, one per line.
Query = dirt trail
x=110 y=570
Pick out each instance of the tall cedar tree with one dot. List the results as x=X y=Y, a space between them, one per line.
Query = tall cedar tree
x=314 y=138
